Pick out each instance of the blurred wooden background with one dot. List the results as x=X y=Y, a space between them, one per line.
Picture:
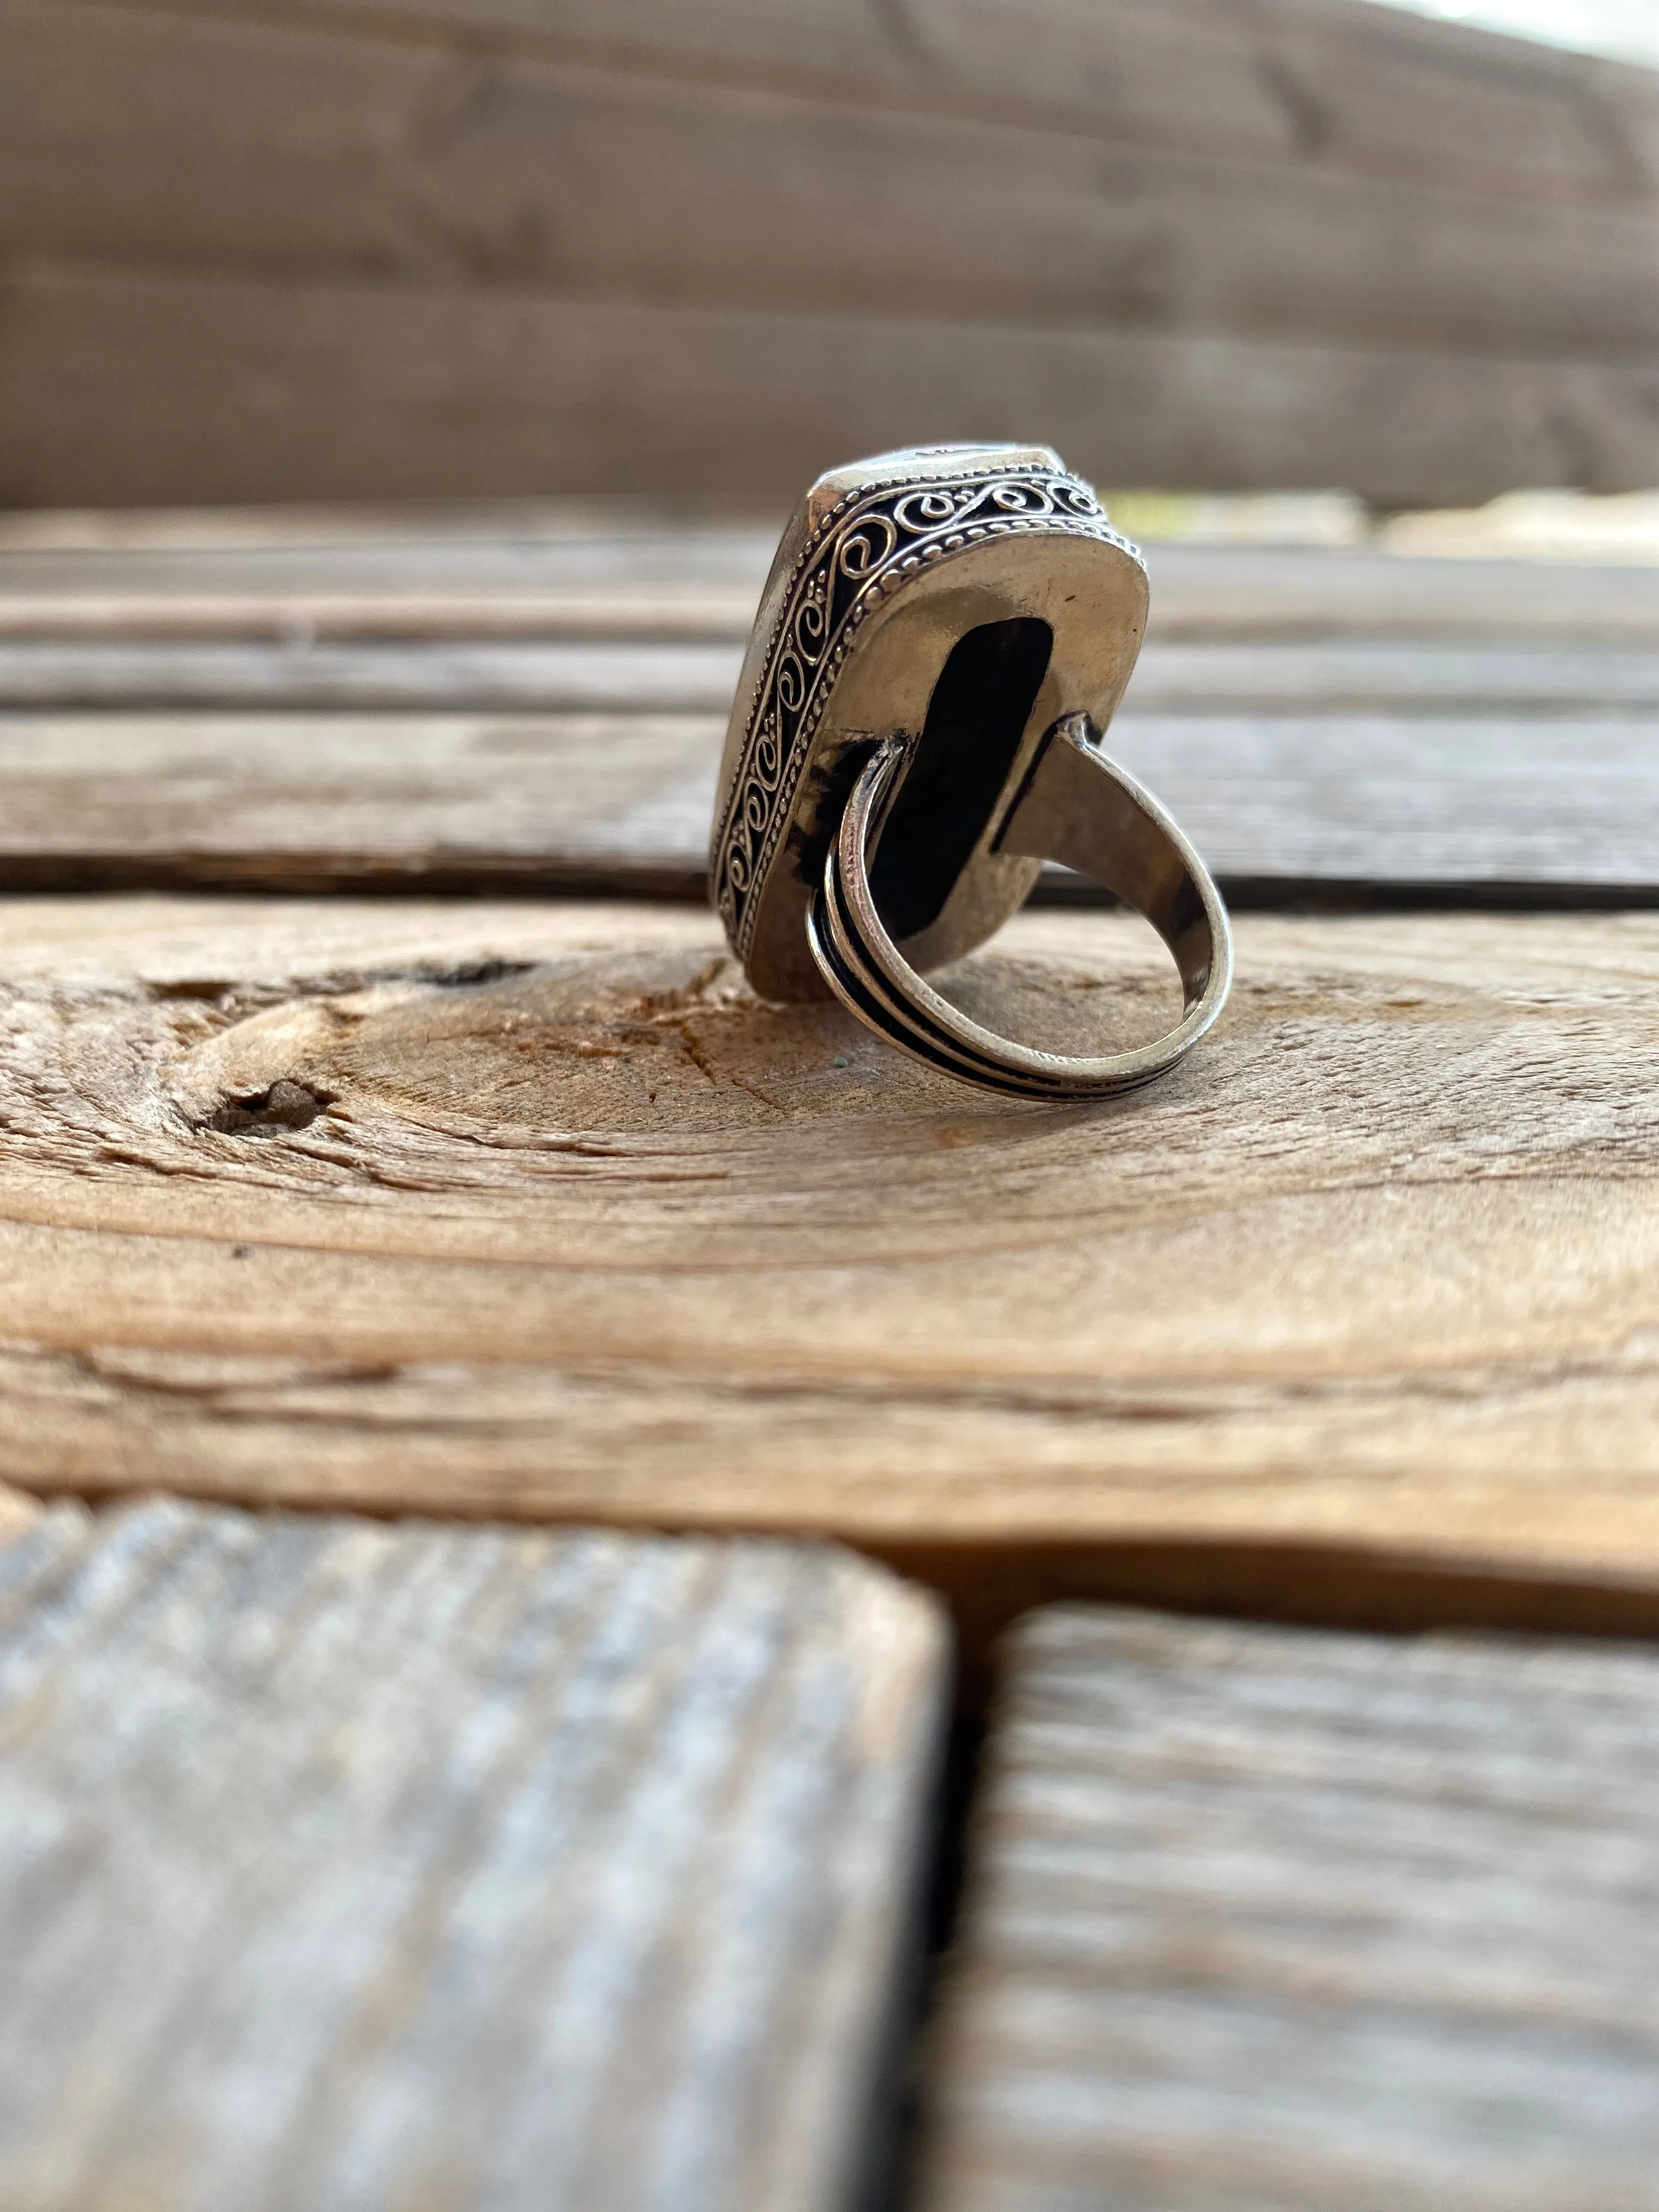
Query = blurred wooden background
x=322 y=249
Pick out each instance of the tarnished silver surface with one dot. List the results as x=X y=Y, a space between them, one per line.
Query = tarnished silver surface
x=943 y=635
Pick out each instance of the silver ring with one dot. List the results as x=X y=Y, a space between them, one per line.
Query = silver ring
x=1111 y=829
x=943 y=637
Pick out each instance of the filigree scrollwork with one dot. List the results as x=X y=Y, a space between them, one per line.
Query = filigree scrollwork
x=869 y=547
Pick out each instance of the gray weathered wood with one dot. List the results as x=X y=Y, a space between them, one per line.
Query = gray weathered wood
x=136 y=136
x=1199 y=75
x=1268 y=1921
x=557 y=674
x=301 y=619
x=601 y=803
x=1317 y=675
x=1324 y=722
x=464 y=246
x=1521 y=804
x=124 y=388
x=1308 y=592
x=506 y=559
x=350 y=1865
x=561 y=570
x=1326 y=85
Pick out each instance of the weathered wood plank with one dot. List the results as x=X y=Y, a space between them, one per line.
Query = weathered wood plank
x=1485 y=808
x=1322 y=85
x=349 y=1864
x=1319 y=677
x=125 y=389
x=139 y=138
x=554 y=570
x=1261 y=1918
x=504 y=801
x=512 y=570
x=1304 y=592
x=246 y=256
x=17 y=1512
x=560 y=674
x=300 y=619
x=533 y=1211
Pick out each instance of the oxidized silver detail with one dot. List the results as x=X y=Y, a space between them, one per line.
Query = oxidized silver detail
x=872 y=544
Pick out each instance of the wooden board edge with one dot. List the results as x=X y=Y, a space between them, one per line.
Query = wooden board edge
x=682 y=881
x=988 y=1586
x=18 y=1512
x=982 y=1585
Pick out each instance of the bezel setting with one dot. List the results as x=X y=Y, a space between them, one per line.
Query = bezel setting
x=864 y=541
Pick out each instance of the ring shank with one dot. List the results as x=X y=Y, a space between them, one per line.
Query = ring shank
x=1075 y=806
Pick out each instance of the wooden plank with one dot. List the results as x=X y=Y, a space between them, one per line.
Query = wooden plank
x=1310 y=593
x=1344 y=677
x=510 y=802
x=532 y=1211
x=243 y=256
x=145 y=139
x=118 y=389
x=17 y=1513
x=559 y=569
x=1322 y=84
x=559 y=674
x=298 y=620
x=395 y=532
x=1390 y=803
x=510 y=570
x=385 y=1865
x=1324 y=676
x=1486 y=809
x=1266 y=1917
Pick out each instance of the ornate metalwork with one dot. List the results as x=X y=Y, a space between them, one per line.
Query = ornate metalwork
x=873 y=543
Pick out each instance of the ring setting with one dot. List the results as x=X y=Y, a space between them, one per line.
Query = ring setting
x=942 y=641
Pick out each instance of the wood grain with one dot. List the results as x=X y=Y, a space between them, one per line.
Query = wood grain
x=535 y=571
x=563 y=673
x=1345 y=677
x=1370 y=803
x=1310 y=593
x=1272 y=1919
x=145 y=139
x=535 y=1212
x=505 y=570
x=121 y=388
x=347 y=249
x=471 y=248
x=1334 y=724
x=1316 y=83
x=297 y=620
x=373 y=1866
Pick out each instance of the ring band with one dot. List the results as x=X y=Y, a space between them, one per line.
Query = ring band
x=1077 y=807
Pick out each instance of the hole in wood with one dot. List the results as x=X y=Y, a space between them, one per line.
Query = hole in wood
x=283 y=1105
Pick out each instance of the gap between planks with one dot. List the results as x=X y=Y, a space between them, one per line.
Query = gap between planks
x=1499 y=808
x=1263 y=1918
